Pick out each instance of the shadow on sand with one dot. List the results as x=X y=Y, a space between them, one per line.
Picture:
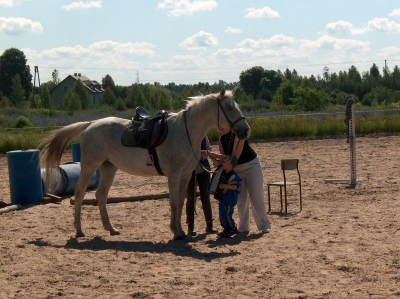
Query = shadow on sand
x=180 y=248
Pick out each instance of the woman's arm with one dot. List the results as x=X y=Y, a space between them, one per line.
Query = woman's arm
x=228 y=186
x=238 y=146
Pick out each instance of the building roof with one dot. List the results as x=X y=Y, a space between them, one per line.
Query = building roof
x=92 y=85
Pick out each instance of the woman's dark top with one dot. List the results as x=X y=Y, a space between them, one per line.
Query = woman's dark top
x=248 y=154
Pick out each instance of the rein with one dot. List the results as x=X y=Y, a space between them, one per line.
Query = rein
x=191 y=146
x=231 y=126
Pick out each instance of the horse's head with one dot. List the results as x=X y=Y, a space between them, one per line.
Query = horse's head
x=230 y=116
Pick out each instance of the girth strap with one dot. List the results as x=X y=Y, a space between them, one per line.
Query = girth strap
x=154 y=158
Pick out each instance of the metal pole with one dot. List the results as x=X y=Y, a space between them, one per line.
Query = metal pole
x=351 y=139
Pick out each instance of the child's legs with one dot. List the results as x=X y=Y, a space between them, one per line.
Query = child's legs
x=226 y=209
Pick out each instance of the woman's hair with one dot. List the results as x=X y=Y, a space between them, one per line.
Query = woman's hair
x=233 y=160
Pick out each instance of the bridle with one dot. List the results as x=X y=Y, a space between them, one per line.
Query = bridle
x=226 y=116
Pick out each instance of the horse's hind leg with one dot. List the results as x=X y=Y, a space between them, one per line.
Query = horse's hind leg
x=108 y=171
x=83 y=182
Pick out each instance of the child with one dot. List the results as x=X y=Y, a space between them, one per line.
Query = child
x=225 y=185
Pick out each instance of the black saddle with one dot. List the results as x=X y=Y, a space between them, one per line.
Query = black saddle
x=142 y=114
x=152 y=129
x=147 y=131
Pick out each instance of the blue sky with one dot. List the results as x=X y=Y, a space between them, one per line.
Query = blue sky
x=191 y=41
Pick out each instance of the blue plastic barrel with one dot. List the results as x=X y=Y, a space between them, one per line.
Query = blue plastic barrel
x=67 y=179
x=25 y=178
x=76 y=152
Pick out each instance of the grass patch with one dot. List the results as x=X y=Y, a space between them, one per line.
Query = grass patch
x=262 y=128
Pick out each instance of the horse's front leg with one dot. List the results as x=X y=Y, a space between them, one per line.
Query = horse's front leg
x=177 y=191
x=108 y=171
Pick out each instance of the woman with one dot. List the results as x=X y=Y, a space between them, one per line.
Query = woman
x=201 y=178
x=250 y=171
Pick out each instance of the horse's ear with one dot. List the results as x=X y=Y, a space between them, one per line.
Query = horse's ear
x=222 y=92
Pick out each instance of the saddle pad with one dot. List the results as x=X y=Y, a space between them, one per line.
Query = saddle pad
x=128 y=136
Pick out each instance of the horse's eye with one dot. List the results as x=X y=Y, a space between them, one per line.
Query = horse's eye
x=228 y=107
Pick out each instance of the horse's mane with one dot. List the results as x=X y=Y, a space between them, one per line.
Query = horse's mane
x=199 y=103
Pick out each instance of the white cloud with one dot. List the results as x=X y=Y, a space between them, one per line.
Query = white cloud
x=101 y=50
x=232 y=53
x=274 y=41
x=200 y=41
x=265 y=12
x=122 y=59
x=176 y=8
x=389 y=52
x=82 y=5
x=136 y=49
x=329 y=43
x=384 y=25
x=231 y=30
x=395 y=13
x=15 y=26
x=6 y=3
x=343 y=27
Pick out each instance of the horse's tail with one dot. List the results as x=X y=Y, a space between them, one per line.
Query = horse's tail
x=53 y=146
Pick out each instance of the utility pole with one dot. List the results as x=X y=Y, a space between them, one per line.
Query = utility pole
x=137 y=77
x=34 y=84
x=386 y=85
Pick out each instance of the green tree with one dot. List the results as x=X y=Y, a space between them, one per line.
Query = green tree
x=81 y=90
x=240 y=96
x=12 y=63
x=378 y=95
x=17 y=97
x=47 y=101
x=71 y=102
x=285 y=93
x=250 y=80
x=375 y=77
x=271 y=80
x=55 y=78
x=108 y=82
x=395 y=78
x=108 y=97
x=135 y=96
x=4 y=101
x=287 y=74
x=310 y=99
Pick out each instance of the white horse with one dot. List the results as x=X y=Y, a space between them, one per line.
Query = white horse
x=178 y=155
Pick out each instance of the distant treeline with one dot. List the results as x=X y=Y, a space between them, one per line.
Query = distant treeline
x=257 y=89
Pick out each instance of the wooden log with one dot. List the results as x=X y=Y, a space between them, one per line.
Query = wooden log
x=10 y=208
x=54 y=196
x=125 y=199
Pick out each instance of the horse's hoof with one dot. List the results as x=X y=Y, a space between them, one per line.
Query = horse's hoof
x=114 y=233
x=79 y=235
x=178 y=238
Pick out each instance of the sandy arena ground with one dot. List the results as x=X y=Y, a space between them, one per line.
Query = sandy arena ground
x=344 y=244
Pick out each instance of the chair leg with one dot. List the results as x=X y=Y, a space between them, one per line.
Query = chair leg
x=301 y=201
x=269 y=199
x=285 y=201
x=280 y=193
